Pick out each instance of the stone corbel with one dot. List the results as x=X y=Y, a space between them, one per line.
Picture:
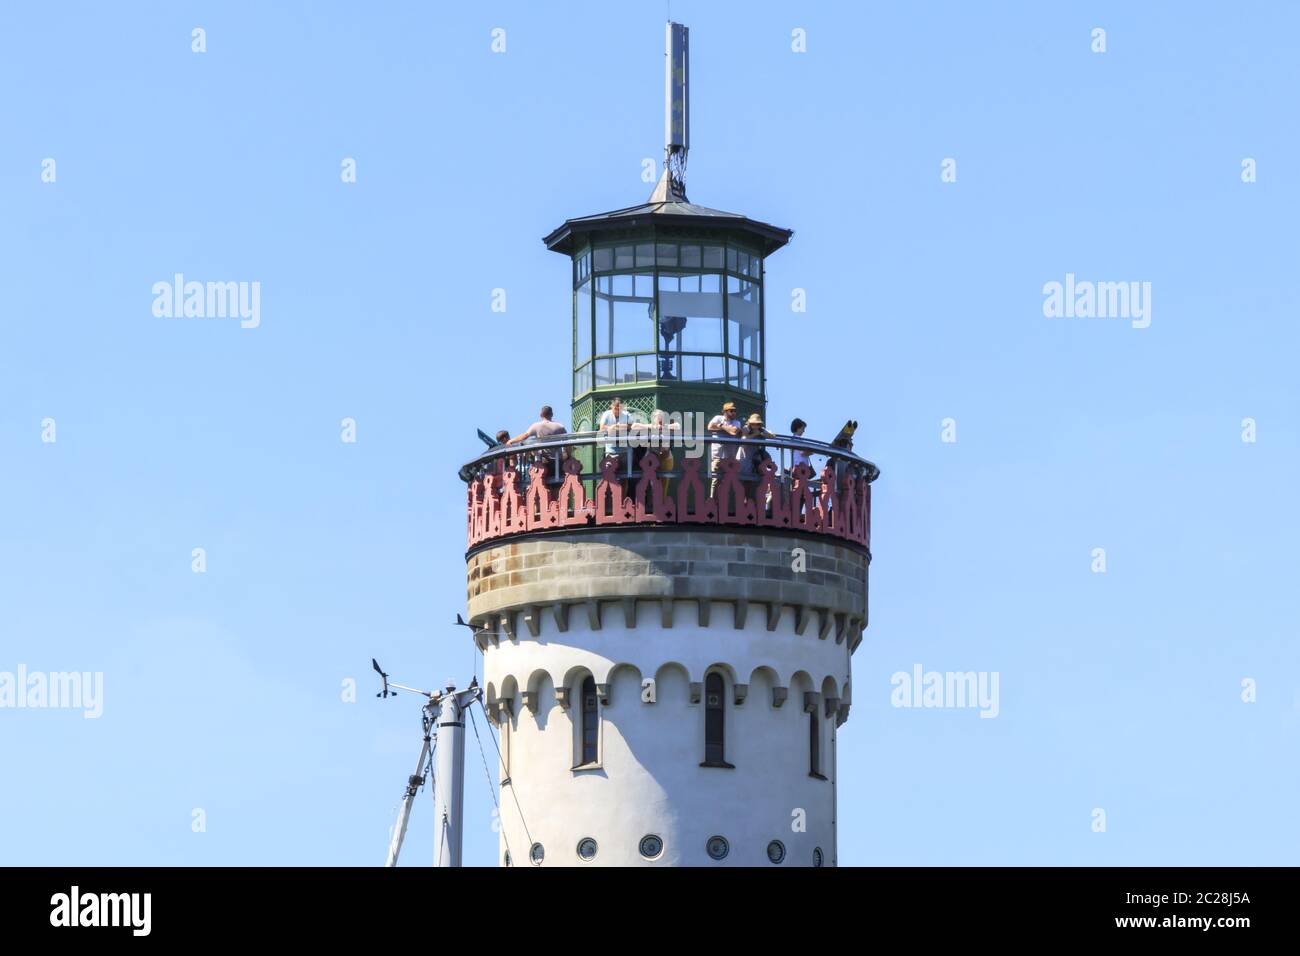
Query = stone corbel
x=801 y=617
x=856 y=638
x=602 y=694
x=843 y=715
x=779 y=694
x=505 y=708
x=562 y=695
x=666 y=608
x=529 y=697
x=810 y=701
x=533 y=619
x=741 y=614
x=697 y=691
x=742 y=691
x=773 y=615
x=832 y=705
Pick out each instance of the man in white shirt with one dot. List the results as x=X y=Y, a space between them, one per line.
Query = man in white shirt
x=725 y=424
x=614 y=422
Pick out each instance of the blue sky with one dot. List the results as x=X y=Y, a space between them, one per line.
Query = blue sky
x=1120 y=690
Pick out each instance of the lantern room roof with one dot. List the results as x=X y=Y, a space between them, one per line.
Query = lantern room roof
x=667 y=212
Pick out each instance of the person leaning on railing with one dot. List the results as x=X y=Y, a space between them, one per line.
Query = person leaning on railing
x=614 y=422
x=541 y=429
x=725 y=424
x=800 y=457
x=842 y=465
x=752 y=456
x=657 y=433
x=502 y=463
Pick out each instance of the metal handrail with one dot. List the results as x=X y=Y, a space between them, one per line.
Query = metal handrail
x=637 y=437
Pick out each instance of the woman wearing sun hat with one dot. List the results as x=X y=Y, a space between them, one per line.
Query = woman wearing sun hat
x=751 y=456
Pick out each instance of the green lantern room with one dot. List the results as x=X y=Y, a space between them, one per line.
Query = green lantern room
x=668 y=295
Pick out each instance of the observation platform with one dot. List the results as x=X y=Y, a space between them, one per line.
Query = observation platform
x=643 y=480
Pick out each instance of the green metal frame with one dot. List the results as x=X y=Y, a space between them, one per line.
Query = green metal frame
x=676 y=395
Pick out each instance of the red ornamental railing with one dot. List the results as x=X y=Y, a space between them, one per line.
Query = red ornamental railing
x=497 y=508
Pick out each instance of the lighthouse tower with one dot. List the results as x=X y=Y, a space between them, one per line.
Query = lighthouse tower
x=666 y=612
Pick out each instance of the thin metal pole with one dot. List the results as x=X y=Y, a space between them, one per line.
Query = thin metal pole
x=413 y=784
x=449 y=781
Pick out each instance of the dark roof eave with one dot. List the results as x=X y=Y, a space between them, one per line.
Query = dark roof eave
x=562 y=239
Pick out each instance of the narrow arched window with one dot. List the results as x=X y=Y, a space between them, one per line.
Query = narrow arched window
x=590 y=720
x=714 y=722
x=814 y=745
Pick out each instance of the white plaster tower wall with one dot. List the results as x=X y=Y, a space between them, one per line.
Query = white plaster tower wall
x=627 y=608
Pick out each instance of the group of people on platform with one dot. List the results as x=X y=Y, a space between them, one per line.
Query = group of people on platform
x=661 y=434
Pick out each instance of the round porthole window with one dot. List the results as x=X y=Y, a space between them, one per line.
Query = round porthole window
x=718 y=847
x=818 y=859
x=776 y=851
x=586 y=849
x=651 y=846
x=537 y=854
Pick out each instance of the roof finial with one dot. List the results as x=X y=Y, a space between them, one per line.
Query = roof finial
x=677 y=115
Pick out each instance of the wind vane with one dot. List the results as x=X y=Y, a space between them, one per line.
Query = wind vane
x=442 y=758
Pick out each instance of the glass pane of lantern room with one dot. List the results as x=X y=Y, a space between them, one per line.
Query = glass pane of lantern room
x=582 y=324
x=604 y=314
x=634 y=313
x=624 y=314
x=743 y=319
x=691 y=310
x=604 y=371
x=582 y=380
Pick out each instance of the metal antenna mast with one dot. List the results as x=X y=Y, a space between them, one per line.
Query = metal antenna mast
x=444 y=711
x=677 y=114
